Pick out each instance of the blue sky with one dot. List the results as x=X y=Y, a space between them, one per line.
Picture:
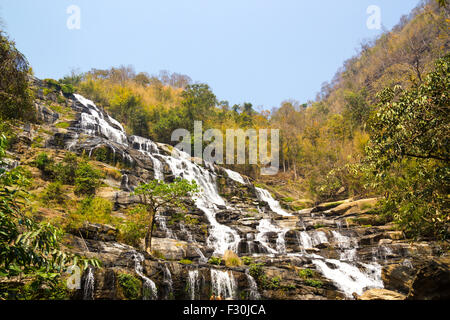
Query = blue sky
x=258 y=51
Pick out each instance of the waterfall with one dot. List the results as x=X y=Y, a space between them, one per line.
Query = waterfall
x=319 y=237
x=167 y=278
x=253 y=287
x=148 y=148
x=264 y=195
x=234 y=176
x=88 y=287
x=305 y=240
x=221 y=237
x=347 y=246
x=189 y=236
x=149 y=291
x=163 y=225
x=193 y=283
x=349 y=278
x=347 y=273
x=223 y=284
x=265 y=227
x=93 y=122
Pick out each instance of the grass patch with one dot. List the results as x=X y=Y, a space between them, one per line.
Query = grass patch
x=62 y=125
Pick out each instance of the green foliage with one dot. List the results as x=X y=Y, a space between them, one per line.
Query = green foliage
x=29 y=250
x=46 y=165
x=130 y=285
x=66 y=171
x=314 y=283
x=91 y=209
x=15 y=95
x=215 y=260
x=53 y=193
x=133 y=229
x=256 y=270
x=157 y=194
x=247 y=260
x=306 y=273
x=409 y=153
x=62 y=125
x=87 y=179
x=185 y=261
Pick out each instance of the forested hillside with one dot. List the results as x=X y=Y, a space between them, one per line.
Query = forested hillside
x=363 y=181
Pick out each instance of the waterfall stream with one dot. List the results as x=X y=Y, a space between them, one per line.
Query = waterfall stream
x=347 y=273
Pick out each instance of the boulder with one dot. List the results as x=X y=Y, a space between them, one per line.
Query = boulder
x=398 y=277
x=97 y=231
x=381 y=294
x=432 y=280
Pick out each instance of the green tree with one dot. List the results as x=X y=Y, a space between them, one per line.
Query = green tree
x=87 y=179
x=157 y=194
x=16 y=99
x=409 y=153
x=198 y=103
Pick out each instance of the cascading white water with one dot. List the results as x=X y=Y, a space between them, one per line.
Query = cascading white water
x=347 y=246
x=253 y=287
x=163 y=226
x=265 y=227
x=349 y=278
x=223 y=284
x=88 y=288
x=221 y=237
x=93 y=122
x=168 y=281
x=235 y=176
x=264 y=195
x=148 y=148
x=188 y=234
x=305 y=240
x=193 y=283
x=149 y=290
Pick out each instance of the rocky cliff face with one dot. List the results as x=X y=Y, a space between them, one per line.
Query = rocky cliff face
x=318 y=253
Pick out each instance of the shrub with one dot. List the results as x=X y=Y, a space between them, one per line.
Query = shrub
x=94 y=210
x=247 y=260
x=46 y=165
x=314 y=283
x=256 y=271
x=134 y=228
x=54 y=192
x=130 y=285
x=215 y=260
x=66 y=170
x=67 y=88
x=87 y=179
x=306 y=273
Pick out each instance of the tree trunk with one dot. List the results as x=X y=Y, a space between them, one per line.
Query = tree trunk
x=149 y=233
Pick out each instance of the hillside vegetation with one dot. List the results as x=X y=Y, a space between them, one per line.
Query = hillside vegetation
x=380 y=128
